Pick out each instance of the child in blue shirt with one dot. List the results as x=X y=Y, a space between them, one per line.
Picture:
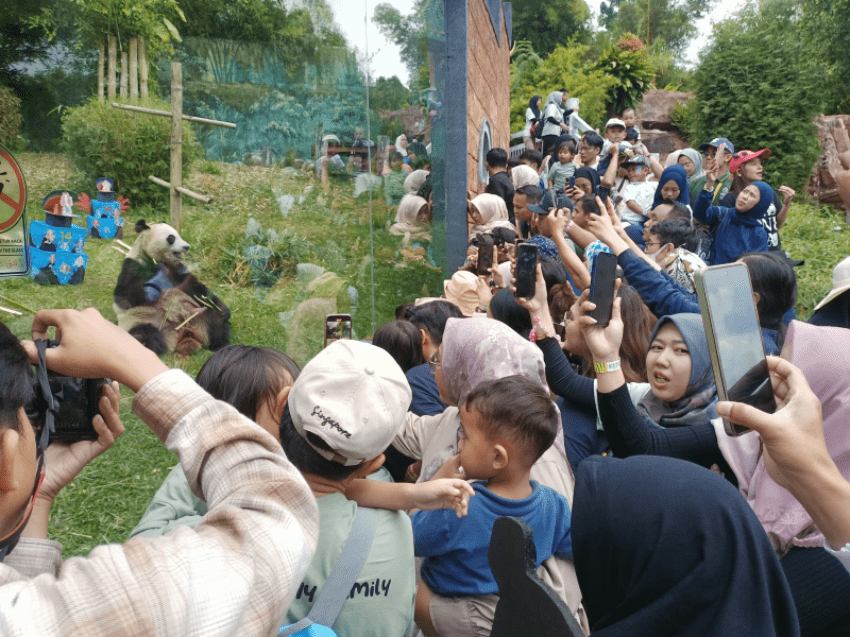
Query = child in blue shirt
x=506 y=425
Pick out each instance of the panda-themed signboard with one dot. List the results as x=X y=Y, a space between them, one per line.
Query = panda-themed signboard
x=58 y=246
x=14 y=250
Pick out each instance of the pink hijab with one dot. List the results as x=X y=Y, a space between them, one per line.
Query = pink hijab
x=823 y=355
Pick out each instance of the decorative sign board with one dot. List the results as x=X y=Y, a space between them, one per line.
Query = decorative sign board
x=14 y=248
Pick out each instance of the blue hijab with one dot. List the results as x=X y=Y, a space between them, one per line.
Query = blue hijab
x=676 y=173
x=591 y=175
x=742 y=232
x=665 y=547
x=697 y=406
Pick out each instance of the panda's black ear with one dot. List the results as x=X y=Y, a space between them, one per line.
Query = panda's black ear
x=141 y=226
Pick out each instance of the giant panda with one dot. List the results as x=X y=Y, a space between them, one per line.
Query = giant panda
x=161 y=303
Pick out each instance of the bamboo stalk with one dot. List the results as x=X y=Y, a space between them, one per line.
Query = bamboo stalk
x=188 y=118
x=181 y=189
x=198 y=313
x=110 y=75
x=143 y=68
x=101 y=71
x=125 y=74
x=15 y=312
x=20 y=305
x=176 y=145
x=134 y=69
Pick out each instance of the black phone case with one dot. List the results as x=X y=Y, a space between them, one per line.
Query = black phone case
x=526 y=270
x=485 y=254
x=602 y=287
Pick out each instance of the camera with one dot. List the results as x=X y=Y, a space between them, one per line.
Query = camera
x=75 y=402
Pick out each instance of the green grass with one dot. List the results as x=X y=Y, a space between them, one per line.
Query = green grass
x=329 y=229
x=104 y=503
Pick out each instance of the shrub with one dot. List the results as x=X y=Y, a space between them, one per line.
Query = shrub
x=10 y=116
x=757 y=86
x=102 y=141
x=628 y=64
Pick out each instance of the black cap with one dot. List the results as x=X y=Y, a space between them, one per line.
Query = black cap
x=545 y=204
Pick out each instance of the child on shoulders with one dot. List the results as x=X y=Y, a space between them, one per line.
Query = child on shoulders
x=565 y=167
x=638 y=193
x=506 y=425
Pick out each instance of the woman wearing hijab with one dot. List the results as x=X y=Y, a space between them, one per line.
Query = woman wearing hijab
x=401 y=145
x=819 y=583
x=691 y=161
x=487 y=212
x=663 y=547
x=673 y=185
x=474 y=350
x=586 y=183
x=413 y=182
x=523 y=175
x=553 y=122
x=532 y=116
x=412 y=219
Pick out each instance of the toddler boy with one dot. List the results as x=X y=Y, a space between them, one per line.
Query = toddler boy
x=506 y=425
x=638 y=193
x=630 y=120
x=565 y=167
x=394 y=180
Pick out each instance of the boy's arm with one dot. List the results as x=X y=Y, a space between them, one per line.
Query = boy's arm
x=402 y=496
x=634 y=206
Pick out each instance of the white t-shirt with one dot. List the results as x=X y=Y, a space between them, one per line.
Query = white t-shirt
x=643 y=192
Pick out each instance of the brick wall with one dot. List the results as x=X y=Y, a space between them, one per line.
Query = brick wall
x=488 y=85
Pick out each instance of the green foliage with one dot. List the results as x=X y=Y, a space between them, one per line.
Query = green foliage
x=670 y=21
x=10 y=117
x=21 y=41
x=102 y=141
x=826 y=32
x=758 y=87
x=628 y=64
x=524 y=61
x=566 y=67
x=388 y=94
x=410 y=34
x=684 y=116
x=550 y=24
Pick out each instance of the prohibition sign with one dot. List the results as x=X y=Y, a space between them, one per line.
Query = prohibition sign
x=13 y=190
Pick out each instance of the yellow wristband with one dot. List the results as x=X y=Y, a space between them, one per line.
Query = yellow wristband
x=604 y=368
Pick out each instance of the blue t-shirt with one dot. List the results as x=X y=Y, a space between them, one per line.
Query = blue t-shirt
x=426 y=396
x=455 y=549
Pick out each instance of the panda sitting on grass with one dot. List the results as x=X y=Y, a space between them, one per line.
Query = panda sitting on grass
x=161 y=303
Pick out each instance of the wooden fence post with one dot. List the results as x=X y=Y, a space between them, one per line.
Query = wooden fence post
x=176 y=144
x=134 y=69
x=143 y=68
x=101 y=63
x=113 y=54
x=125 y=74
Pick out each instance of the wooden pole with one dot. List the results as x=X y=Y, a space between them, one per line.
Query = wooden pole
x=185 y=191
x=125 y=74
x=176 y=144
x=188 y=118
x=110 y=76
x=101 y=63
x=143 y=69
x=134 y=69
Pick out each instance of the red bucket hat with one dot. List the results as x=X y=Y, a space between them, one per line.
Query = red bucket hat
x=746 y=155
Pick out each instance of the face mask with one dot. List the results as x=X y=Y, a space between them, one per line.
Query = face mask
x=654 y=255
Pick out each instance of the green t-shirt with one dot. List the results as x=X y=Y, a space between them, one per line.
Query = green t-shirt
x=381 y=601
x=394 y=187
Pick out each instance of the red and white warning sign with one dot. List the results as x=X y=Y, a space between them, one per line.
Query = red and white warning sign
x=13 y=200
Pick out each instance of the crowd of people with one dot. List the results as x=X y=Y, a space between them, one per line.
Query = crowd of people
x=608 y=441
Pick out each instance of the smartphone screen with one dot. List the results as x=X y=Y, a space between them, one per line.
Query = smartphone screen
x=337 y=327
x=526 y=270
x=602 y=287
x=573 y=181
x=485 y=254
x=734 y=338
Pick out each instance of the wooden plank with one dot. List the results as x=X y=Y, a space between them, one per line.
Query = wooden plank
x=101 y=71
x=176 y=145
x=125 y=74
x=143 y=68
x=110 y=73
x=185 y=191
x=188 y=118
x=134 y=69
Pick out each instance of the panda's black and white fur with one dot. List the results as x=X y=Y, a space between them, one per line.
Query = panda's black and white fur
x=161 y=303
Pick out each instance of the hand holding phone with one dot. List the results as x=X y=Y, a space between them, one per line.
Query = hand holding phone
x=526 y=270
x=602 y=287
x=485 y=254
x=734 y=339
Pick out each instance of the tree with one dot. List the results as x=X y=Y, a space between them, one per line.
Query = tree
x=826 y=24
x=21 y=42
x=671 y=21
x=388 y=94
x=758 y=85
x=524 y=60
x=548 y=24
x=627 y=63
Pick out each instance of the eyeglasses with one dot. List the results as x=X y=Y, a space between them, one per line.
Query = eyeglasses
x=433 y=363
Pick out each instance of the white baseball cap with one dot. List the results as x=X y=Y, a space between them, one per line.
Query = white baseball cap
x=615 y=122
x=354 y=397
x=840 y=282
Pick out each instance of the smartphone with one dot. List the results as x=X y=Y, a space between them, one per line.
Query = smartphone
x=603 y=192
x=553 y=197
x=572 y=181
x=734 y=338
x=485 y=253
x=602 y=287
x=337 y=327
x=526 y=270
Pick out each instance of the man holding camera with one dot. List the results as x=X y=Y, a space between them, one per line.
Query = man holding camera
x=235 y=573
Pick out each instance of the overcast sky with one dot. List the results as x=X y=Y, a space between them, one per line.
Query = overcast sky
x=349 y=15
